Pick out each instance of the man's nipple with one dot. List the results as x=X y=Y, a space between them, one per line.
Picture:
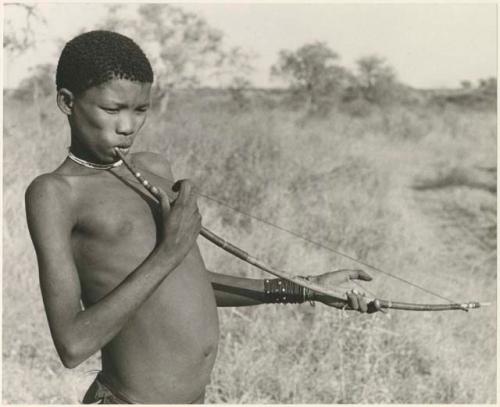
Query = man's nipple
x=126 y=228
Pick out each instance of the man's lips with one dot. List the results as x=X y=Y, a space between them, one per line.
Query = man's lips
x=123 y=149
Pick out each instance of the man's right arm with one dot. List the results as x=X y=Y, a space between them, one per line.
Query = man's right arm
x=78 y=333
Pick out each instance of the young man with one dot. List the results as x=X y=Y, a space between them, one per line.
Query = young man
x=101 y=240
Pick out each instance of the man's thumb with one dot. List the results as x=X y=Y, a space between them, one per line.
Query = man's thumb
x=360 y=275
x=183 y=187
x=162 y=197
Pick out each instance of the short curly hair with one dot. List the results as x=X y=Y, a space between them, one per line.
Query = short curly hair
x=95 y=57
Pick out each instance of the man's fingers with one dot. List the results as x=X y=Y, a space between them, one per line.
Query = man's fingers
x=186 y=192
x=363 y=275
x=363 y=306
x=352 y=300
x=162 y=197
x=183 y=187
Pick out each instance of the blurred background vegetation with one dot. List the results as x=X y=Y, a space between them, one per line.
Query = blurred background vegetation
x=399 y=177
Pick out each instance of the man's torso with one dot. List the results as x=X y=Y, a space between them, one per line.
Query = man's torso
x=165 y=353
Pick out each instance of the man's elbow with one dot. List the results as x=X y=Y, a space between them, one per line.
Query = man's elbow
x=72 y=354
x=69 y=362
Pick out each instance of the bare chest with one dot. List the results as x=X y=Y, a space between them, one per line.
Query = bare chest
x=115 y=211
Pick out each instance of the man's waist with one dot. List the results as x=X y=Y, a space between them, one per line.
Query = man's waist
x=157 y=381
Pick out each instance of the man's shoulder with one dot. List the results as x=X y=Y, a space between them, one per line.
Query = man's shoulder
x=153 y=162
x=47 y=188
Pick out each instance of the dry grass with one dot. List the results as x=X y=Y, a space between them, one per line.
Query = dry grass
x=342 y=179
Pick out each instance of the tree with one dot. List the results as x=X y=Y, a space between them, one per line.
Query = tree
x=17 y=39
x=488 y=86
x=233 y=73
x=184 y=50
x=466 y=84
x=376 y=79
x=233 y=68
x=312 y=71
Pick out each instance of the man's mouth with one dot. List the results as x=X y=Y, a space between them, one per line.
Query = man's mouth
x=124 y=150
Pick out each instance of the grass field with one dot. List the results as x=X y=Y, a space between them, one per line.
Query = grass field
x=346 y=179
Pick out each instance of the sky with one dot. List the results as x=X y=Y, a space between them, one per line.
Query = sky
x=429 y=45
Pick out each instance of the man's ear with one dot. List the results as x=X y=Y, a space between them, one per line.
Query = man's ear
x=65 y=101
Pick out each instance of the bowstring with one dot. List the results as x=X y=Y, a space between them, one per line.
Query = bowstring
x=321 y=245
x=199 y=192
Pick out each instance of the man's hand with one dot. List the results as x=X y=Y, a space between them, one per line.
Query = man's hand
x=355 y=301
x=181 y=220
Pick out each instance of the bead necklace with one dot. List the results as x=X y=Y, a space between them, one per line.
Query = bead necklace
x=88 y=164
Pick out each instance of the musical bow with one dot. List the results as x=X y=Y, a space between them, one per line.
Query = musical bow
x=335 y=293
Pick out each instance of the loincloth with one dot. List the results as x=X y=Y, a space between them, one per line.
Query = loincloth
x=100 y=393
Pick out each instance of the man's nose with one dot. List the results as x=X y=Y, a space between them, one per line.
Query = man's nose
x=126 y=124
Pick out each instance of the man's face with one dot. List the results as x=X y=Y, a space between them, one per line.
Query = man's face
x=108 y=116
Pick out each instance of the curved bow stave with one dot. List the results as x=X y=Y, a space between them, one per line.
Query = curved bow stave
x=335 y=293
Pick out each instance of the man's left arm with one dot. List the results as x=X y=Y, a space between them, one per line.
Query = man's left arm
x=231 y=291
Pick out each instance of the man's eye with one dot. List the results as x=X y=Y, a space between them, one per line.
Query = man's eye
x=142 y=110
x=110 y=109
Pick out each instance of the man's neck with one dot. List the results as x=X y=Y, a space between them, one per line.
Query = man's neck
x=89 y=164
